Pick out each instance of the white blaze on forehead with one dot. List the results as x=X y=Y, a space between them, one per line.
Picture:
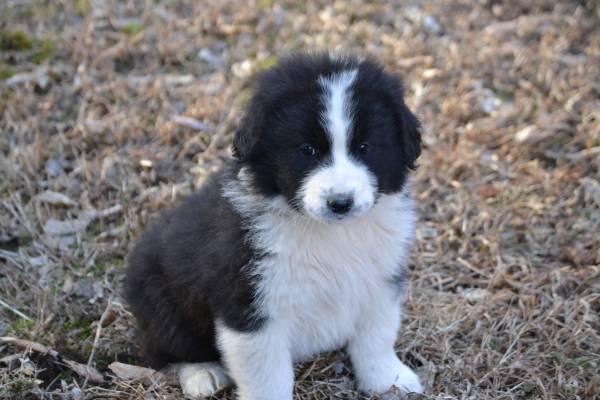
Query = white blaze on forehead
x=344 y=175
x=338 y=103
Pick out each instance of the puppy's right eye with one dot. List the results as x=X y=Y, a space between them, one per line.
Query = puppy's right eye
x=308 y=150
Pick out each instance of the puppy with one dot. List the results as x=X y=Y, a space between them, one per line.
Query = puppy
x=297 y=246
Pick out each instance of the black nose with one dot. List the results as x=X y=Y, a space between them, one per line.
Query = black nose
x=340 y=204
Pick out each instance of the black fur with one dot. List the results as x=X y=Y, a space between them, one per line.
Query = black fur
x=185 y=271
x=191 y=266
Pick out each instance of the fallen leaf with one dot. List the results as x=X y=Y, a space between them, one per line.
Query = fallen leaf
x=55 y=198
x=488 y=191
x=192 y=123
x=57 y=228
x=142 y=374
x=54 y=227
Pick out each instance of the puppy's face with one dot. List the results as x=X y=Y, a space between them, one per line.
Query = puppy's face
x=329 y=135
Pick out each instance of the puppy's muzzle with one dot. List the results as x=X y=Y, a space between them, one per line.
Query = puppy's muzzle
x=340 y=204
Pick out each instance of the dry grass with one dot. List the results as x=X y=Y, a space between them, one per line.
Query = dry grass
x=505 y=294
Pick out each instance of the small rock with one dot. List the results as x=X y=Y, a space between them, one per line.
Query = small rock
x=209 y=57
x=95 y=126
x=177 y=80
x=432 y=25
x=473 y=294
x=38 y=261
x=591 y=190
x=53 y=168
x=338 y=368
x=76 y=393
x=489 y=102
x=63 y=243
x=242 y=69
x=56 y=228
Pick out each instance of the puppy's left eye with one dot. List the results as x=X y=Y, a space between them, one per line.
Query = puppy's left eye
x=364 y=148
x=308 y=150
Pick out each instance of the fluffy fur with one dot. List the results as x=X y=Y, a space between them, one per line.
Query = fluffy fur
x=296 y=247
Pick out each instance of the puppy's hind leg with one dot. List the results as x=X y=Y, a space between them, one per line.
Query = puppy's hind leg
x=199 y=380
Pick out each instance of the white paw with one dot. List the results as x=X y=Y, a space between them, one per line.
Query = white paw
x=203 y=379
x=388 y=375
x=407 y=381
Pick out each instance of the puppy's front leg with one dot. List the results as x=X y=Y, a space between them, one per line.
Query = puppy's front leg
x=259 y=362
x=375 y=363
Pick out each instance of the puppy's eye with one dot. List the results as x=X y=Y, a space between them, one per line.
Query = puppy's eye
x=308 y=150
x=364 y=148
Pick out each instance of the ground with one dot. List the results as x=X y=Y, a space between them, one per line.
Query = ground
x=113 y=110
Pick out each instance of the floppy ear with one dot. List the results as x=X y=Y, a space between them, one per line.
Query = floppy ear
x=411 y=135
x=248 y=133
x=409 y=125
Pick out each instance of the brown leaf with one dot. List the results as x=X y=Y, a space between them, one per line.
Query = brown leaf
x=488 y=191
x=142 y=374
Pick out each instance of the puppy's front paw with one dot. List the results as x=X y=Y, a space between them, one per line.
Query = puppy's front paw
x=385 y=377
x=407 y=381
x=202 y=380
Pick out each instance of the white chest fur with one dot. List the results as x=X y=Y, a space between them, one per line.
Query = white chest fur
x=318 y=281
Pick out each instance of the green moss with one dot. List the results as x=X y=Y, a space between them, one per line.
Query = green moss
x=557 y=357
x=44 y=51
x=7 y=94
x=584 y=362
x=17 y=389
x=267 y=63
x=132 y=28
x=82 y=7
x=23 y=327
x=6 y=73
x=23 y=12
x=81 y=324
x=505 y=95
x=101 y=267
x=262 y=4
x=85 y=332
x=25 y=241
x=96 y=228
x=271 y=39
x=15 y=40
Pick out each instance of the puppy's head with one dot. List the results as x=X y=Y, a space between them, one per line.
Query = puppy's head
x=329 y=134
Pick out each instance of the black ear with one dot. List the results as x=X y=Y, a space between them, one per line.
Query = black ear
x=409 y=125
x=248 y=133
x=411 y=135
x=243 y=141
x=390 y=87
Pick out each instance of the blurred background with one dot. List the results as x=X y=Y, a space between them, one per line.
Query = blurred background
x=112 y=110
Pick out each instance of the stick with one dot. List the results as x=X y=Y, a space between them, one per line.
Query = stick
x=14 y=310
x=104 y=316
x=86 y=371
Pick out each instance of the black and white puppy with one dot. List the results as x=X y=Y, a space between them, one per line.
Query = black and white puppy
x=298 y=246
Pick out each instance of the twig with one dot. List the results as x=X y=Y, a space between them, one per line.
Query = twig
x=583 y=154
x=27 y=344
x=86 y=371
x=192 y=123
x=14 y=310
x=103 y=318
